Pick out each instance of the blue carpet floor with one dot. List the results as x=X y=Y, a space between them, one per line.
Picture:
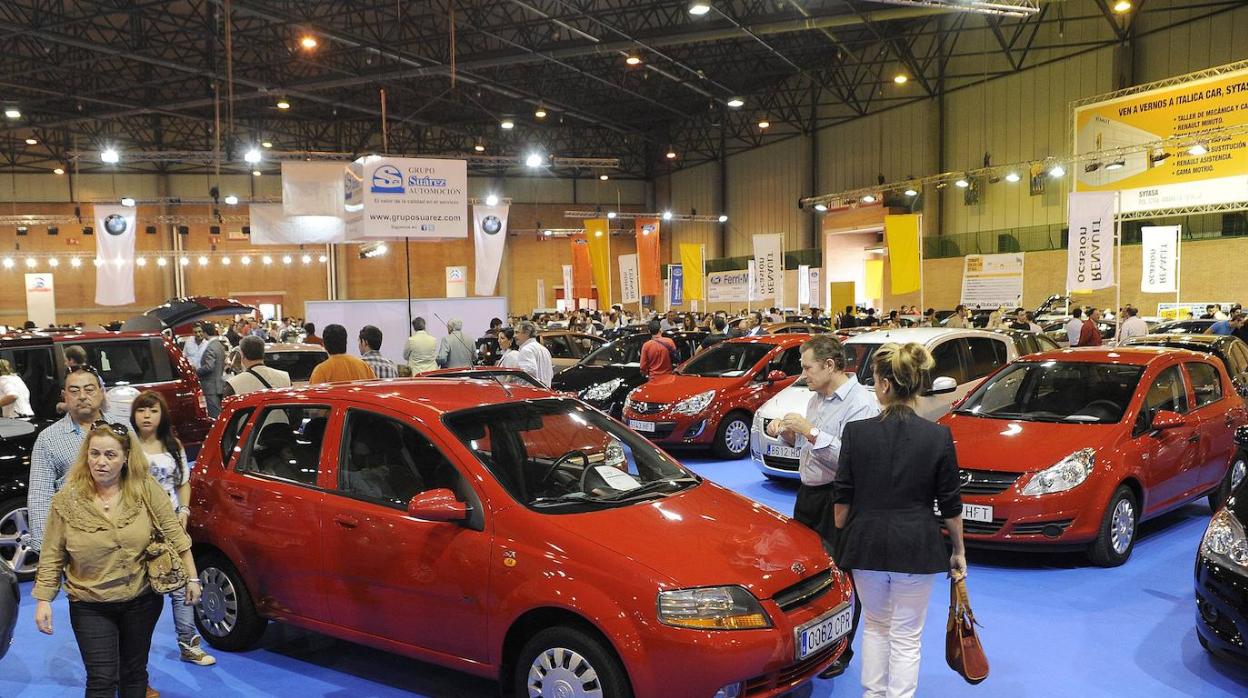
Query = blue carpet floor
x=1053 y=626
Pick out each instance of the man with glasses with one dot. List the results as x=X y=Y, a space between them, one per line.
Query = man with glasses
x=57 y=446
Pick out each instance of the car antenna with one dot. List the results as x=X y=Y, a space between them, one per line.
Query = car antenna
x=502 y=385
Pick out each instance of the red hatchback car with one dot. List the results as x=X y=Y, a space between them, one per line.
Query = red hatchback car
x=1075 y=447
x=711 y=398
x=507 y=532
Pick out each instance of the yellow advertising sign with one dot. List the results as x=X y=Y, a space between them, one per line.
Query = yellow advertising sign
x=1152 y=177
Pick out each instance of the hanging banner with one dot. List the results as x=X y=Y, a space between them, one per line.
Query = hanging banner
x=992 y=280
x=901 y=233
x=691 y=262
x=1090 y=252
x=423 y=198
x=1160 y=254
x=874 y=279
x=768 y=267
x=541 y=293
x=816 y=295
x=456 y=282
x=40 y=299
x=648 y=256
x=728 y=286
x=1151 y=175
x=582 y=277
x=313 y=188
x=840 y=296
x=598 y=232
x=629 y=283
x=271 y=226
x=803 y=285
x=675 y=285
x=569 y=293
x=114 y=249
x=489 y=229
x=751 y=292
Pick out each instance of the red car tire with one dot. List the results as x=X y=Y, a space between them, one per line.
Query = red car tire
x=1116 y=538
x=571 y=657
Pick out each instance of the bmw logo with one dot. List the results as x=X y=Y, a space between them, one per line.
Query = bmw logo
x=115 y=224
x=491 y=225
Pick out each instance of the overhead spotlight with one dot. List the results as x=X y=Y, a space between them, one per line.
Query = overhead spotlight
x=30 y=263
x=764 y=124
x=58 y=170
x=491 y=200
x=479 y=147
x=75 y=262
x=23 y=230
x=540 y=113
x=141 y=262
x=308 y=42
x=231 y=200
x=1122 y=6
x=900 y=78
x=1198 y=149
x=962 y=183
x=603 y=177
x=127 y=201
x=306 y=259
x=507 y=124
x=1116 y=165
x=54 y=230
x=32 y=141
x=8 y=262
x=1057 y=171
x=246 y=260
x=631 y=60
x=735 y=102
x=283 y=103
x=611 y=215
x=255 y=173
x=671 y=154
x=534 y=160
x=203 y=261
x=266 y=260
x=160 y=261
x=1012 y=177
x=322 y=259
x=54 y=262
x=547 y=233
x=821 y=208
x=110 y=156
x=183 y=261
x=225 y=261
x=723 y=218
x=286 y=259
x=697 y=9
x=868 y=199
x=13 y=112
x=912 y=192
x=252 y=156
x=266 y=144
x=667 y=215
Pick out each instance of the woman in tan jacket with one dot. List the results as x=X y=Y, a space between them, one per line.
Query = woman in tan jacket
x=98 y=528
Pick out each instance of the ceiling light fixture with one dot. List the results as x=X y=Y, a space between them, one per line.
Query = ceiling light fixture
x=283 y=104
x=225 y=261
x=547 y=233
x=13 y=112
x=308 y=42
x=203 y=261
x=306 y=259
x=255 y=173
x=736 y=102
x=631 y=60
x=534 y=160
x=479 y=147
x=30 y=263
x=286 y=259
x=763 y=123
x=54 y=262
x=127 y=201
x=491 y=200
x=266 y=144
x=1057 y=171
x=671 y=154
x=252 y=156
x=160 y=261
x=1116 y=165
x=868 y=199
x=540 y=113
x=184 y=261
x=231 y=200
x=962 y=183
x=611 y=215
x=900 y=78
x=1122 y=6
x=697 y=8
x=507 y=124
x=110 y=156
x=603 y=177
x=322 y=259
x=667 y=215
x=246 y=260
x=911 y=192
x=32 y=141
x=266 y=260
x=58 y=171
x=1012 y=177
x=723 y=218
x=821 y=208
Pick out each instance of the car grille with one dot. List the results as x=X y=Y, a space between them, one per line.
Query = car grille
x=762 y=684
x=780 y=463
x=1031 y=529
x=662 y=430
x=647 y=407
x=805 y=591
x=980 y=528
x=986 y=481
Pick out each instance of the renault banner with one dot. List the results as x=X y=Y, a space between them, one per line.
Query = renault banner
x=489 y=229
x=1161 y=254
x=769 y=267
x=114 y=251
x=1090 y=253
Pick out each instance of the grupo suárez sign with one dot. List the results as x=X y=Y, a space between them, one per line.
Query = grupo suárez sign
x=407 y=198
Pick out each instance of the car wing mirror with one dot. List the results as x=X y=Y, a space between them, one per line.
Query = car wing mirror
x=943 y=386
x=1165 y=419
x=1241 y=436
x=437 y=505
x=775 y=376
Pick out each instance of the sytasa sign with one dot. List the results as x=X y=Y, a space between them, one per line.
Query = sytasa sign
x=407 y=198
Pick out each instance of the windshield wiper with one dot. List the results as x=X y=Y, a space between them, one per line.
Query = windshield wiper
x=648 y=488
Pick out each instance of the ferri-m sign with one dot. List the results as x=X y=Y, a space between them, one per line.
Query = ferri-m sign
x=1150 y=177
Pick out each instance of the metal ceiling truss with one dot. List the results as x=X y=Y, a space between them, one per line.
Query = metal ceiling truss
x=155 y=74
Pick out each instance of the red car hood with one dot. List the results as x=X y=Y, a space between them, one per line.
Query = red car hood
x=708 y=536
x=672 y=388
x=1016 y=446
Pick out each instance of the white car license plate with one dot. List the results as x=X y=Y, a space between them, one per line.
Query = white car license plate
x=824 y=630
x=638 y=425
x=781 y=451
x=977 y=512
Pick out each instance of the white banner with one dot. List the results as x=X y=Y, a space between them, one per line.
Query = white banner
x=271 y=226
x=1090 y=253
x=407 y=198
x=541 y=293
x=568 y=290
x=751 y=285
x=457 y=282
x=630 y=289
x=769 y=267
x=803 y=285
x=816 y=291
x=1161 y=253
x=992 y=280
x=726 y=286
x=313 y=188
x=114 y=249
x=489 y=228
x=40 y=299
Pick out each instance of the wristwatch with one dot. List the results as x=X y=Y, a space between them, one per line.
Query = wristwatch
x=814 y=434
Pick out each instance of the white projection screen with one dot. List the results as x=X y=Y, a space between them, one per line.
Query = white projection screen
x=390 y=316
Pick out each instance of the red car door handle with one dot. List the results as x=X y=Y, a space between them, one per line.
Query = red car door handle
x=236 y=495
x=346 y=521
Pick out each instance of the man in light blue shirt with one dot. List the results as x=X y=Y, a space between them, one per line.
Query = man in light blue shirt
x=1228 y=326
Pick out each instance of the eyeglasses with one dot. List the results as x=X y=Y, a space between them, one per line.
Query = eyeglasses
x=120 y=430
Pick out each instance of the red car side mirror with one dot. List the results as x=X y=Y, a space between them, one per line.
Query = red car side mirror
x=1165 y=419
x=437 y=505
x=776 y=375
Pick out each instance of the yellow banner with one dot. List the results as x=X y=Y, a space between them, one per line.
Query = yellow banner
x=691 y=260
x=599 y=235
x=842 y=293
x=902 y=235
x=875 y=278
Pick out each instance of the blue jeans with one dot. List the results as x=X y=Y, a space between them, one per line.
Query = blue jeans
x=183 y=616
x=114 y=640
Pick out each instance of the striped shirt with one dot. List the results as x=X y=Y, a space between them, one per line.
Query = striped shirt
x=54 y=452
x=382 y=367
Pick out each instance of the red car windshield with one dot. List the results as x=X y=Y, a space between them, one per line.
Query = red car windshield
x=560 y=457
x=1055 y=391
x=726 y=360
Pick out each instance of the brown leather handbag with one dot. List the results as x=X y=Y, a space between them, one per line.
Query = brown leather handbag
x=165 y=571
x=962 y=649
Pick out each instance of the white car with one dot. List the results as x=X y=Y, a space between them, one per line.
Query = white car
x=963 y=358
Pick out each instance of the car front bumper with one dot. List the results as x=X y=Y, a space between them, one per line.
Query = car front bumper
x=1222 y=608
x=761 y=452
x=673 y=429
x=1062 y=519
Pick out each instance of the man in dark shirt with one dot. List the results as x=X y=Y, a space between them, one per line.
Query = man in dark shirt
x=849 y=318
x=715 y=336
x=1089 y=334
x=1020 y=321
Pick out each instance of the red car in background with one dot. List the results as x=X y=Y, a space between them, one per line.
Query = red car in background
x=508 y=532
x=1075 y=447
x=710 y=399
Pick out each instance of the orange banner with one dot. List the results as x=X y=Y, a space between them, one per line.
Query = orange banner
x=582 y=278
x=648 y=257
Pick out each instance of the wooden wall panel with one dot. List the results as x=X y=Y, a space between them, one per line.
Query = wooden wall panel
x=764 y=186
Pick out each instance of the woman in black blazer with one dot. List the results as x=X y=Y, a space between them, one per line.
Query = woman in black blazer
x=892 y=468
